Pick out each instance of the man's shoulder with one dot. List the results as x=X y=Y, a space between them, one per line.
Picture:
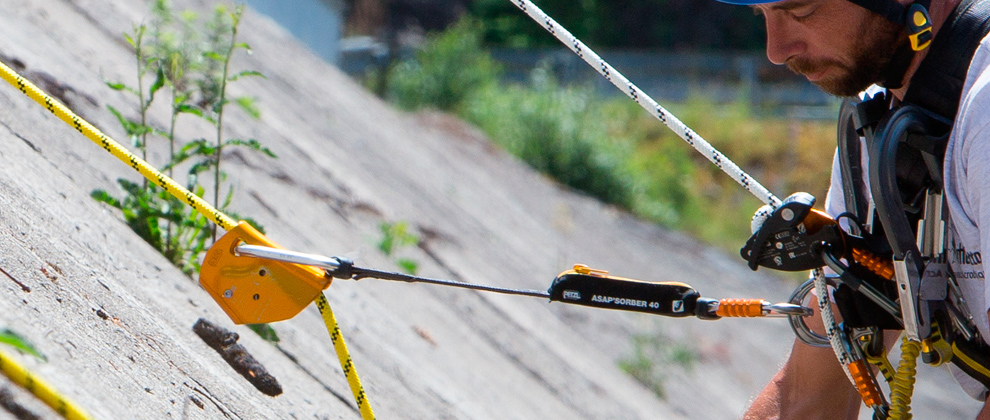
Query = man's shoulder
x=981 y=57
x=975 y=101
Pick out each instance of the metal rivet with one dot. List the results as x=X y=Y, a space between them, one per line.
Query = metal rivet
x=787 y=214
x=263 y=272
x=228 y=293
x=257 y=296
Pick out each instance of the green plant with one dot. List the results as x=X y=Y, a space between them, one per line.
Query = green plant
x=652 y=356
x=396 y=236
x=221 y=42
x=145 y=206
x=558 y=131
x=449 y=69
x=15 y=340
x=195 y=69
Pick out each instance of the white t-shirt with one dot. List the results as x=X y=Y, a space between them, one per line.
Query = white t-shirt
x=967 y=178
x=967 y=191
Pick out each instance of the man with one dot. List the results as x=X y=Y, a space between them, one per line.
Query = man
x=843 y=48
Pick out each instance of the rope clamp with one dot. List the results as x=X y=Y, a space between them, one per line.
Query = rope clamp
x=255 y=290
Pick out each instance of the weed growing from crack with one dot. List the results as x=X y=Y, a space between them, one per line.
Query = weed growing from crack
x=396 y=236
x=653 y=355
x=194 y=68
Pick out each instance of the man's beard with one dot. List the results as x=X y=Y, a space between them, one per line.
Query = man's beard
x=872 y=59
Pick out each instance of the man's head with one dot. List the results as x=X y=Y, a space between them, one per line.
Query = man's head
x=836 y=44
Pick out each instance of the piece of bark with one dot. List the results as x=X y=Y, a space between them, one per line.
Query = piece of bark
x=225 y=342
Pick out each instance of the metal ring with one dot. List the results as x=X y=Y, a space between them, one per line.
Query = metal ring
x=801 y=330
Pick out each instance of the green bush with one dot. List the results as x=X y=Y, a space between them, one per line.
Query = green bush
x=558 y=131
x=448 y=70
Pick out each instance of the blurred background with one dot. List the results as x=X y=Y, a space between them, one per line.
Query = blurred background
x=489 y=64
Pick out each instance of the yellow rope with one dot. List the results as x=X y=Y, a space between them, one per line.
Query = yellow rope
x=902 y=387
x=115 y=148
x=345 y=359
x=41 y=389
x=200 y=205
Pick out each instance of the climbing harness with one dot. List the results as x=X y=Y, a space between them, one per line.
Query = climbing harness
x=895 y=274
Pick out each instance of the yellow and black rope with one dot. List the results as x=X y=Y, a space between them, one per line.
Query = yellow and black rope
x=20 y=375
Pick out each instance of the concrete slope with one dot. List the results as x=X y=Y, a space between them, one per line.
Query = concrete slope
x=114 y=317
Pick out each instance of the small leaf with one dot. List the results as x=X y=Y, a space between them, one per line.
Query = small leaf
x=245 y=46
x=408 y=265
x=201 y=167
x=213 y=55
x=265 y=331
x=246 y=73
x=189 y=109
x=252 y=144
x=229 y=198
x=116 y=86
x=249 y=106
x=159 y=82
x=104 y=197
x=130 y=127
x=13 y=339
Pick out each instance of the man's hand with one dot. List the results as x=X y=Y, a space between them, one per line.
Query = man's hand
x=810 y=385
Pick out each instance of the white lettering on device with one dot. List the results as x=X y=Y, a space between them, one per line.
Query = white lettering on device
x=620 y=301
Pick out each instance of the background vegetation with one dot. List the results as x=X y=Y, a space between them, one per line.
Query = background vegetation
x=608 y=147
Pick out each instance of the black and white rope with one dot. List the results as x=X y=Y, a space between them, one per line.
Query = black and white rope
x=645 y=101
x=835 y=335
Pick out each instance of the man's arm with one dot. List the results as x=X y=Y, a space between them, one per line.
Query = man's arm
x=810 y=385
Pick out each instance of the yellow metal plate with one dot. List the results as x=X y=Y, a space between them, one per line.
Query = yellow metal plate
x=254 y=290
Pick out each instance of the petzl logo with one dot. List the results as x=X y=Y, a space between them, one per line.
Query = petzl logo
x=677 y=306
x=572 y=295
